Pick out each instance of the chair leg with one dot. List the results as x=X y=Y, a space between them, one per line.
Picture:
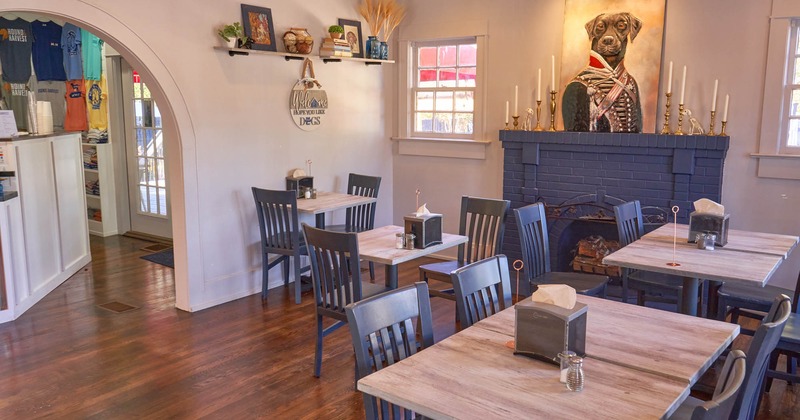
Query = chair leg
x=285 y=266
x=604 y=291
x=624 y=285
x=297 y=282
x=722 y=309
x=371 y=270
x=264 y=275
x=640 y=297
x=773 y=364
x=318 y=352
x=679 y=301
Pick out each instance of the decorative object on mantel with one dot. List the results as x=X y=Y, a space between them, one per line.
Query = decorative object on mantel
x=259 y=28
x=335 y=32
x=352 y=34
x=233 y=35
x=307 y=101
x=681 y=112
x=298 y=41
x=695 y=128
x=713 y=108
x=725 y=116
x=666 y=129
x=528 y=119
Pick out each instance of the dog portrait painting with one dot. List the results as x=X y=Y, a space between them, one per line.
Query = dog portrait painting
x=610 y=64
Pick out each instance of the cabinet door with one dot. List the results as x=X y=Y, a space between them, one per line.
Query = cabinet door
x=37 y=191
x=68 y=164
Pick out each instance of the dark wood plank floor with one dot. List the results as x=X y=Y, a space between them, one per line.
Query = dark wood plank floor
x=68 y=358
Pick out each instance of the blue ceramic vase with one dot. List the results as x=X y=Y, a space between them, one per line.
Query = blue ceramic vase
x=384 y=51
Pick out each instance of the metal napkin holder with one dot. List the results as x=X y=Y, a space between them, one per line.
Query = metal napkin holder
x=426 y=228
x=709 y=223
x=299 y=184
x=544 y=330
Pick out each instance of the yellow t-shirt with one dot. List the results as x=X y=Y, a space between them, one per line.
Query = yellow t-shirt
x=96 y=103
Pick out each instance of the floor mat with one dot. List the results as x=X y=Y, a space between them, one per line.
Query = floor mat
x=165 y=257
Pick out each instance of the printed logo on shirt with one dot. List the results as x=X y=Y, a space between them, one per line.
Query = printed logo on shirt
x=16 y=89
x=76 y=90
x=72 y=43
x=95 y=96
x=14 y=35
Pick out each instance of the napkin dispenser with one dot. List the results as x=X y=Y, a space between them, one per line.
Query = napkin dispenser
x=427 y=229
x=709 y=223
x=299 y=184
x=544 y=330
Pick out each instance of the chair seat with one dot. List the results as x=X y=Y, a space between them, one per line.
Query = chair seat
x=441 y=270
x=343 y=228
x=751 y=297
x=790 y=339
x=686 y=408
x=583 y=283
x=372 y=289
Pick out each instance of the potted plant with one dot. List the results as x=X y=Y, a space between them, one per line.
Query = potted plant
x=336 y=31
x=233 y=34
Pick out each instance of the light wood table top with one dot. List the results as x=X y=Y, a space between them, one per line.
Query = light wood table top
x=330 y=201
x=473 y=375
x=738 y=240
x=378 y=245
x=665 y=343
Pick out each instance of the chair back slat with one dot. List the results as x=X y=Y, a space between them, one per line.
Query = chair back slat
x=532 y=229
x=630 y=225
x=764 y=342
x=482 y=289
x=334 y=268
x=277 y=220
x=483 y=222
x=362 y=217
x=383 y=330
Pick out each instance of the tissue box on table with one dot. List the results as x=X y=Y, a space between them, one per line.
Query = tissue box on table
x=709 y=217
x=543 y=330
x=426 y=227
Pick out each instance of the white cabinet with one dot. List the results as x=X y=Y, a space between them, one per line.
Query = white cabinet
x=101 y=207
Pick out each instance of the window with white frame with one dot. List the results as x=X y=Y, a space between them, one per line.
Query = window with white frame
x=443 y=88
x=791 y=108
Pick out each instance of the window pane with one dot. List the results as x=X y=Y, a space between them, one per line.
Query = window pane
x=423 y=122
x=444 y=101
x=463 y=123
x=137 y=90
x=467 y=55
x=466 y=77
x=796 y=78
x=443 y=123
x=138 y=113
x=427 y=57
x=143 y=199
x=424 y=101
x=162 y=201
x=159 y=140
x=794 y=104
x=147 y=113
x=145 y=91
x=157 y=113
x=447 y=77
x=427 y=78
x=140 y=145
x=465 y=101
x=793 y=139
x=447 y=56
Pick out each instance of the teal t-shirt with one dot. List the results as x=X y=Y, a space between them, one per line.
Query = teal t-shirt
x=92 y=48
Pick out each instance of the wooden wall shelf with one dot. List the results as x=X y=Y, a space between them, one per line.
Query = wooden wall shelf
x=290 y=56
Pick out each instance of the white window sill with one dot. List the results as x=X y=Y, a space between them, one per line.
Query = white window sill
x=777 y=166
x=437 y=147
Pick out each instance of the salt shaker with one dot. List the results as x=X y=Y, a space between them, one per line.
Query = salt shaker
x=563 y=358
x=410 y=240
x=575 y=374
x=400 y=241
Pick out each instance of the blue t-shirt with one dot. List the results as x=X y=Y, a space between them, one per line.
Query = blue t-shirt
x=15 y=50
x=48 y=59
x=71 y=45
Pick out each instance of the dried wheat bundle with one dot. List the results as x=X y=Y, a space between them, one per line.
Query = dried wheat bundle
x=393 y=14
x=372 y=11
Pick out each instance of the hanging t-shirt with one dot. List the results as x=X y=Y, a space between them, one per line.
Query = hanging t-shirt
x=97 y=104
x=15 y=96
x=92 y=48
x=53 y=92
x=71 y=45
x=75 y=119
x=48 y=58
x=16 y=42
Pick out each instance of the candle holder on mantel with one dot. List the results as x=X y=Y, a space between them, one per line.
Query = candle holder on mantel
x=679 y=131
x=506 y=126
x=538 y=115
x=713 y=123
x=516 y=122
x=553 y=110
x=722 y=132
x=666 y=130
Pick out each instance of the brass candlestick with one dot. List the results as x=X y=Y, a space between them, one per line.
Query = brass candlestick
x=679 y=131
x=553 y=110
x=666 y=130
x=538 y=115
x=711 y=129
x=506 y=125
x=724 y=124
x=516 y=121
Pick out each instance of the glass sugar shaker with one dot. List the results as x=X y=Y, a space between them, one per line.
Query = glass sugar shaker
x=400 y=241
x=575 y=374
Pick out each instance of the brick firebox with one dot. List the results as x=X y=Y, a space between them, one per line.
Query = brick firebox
x=658 y=170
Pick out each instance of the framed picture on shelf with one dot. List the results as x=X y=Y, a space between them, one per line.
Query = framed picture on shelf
x=258 y=27
x=352 y=33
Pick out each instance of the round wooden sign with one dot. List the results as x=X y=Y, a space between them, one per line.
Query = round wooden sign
x=308 y=105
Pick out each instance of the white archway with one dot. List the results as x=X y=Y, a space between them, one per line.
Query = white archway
x=177 y=124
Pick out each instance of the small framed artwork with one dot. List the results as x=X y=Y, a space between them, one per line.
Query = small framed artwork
x=352 y=33
x=257 y=22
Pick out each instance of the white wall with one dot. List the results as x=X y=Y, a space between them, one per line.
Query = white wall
x=231 y=127
x=729 y=46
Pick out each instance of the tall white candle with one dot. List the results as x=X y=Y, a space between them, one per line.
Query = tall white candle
x=539 y=86
x=552 y=73
x=506 y=112
x=683 y=85
x=725 y=111
x=516 y=99
x=714 y=98
x=669 y=80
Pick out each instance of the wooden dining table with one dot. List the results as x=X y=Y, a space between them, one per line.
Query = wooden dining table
x=747 y=258
x=640 y=363
x=327 y=201
x=378 y=245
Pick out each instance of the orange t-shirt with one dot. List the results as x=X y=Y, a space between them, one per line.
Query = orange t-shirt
x=76 y=106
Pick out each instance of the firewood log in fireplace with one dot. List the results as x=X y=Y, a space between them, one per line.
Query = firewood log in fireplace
x=589 y=254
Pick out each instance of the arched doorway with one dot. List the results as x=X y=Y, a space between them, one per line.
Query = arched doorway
x=177 y=123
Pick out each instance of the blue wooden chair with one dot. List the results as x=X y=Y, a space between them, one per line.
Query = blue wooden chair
x=482 y=289
x=721 y=404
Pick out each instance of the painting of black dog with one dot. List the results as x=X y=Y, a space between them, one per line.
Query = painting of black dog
x=604 y=97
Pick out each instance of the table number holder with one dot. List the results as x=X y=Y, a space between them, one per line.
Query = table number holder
x=510 y=343
x=675 y=210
